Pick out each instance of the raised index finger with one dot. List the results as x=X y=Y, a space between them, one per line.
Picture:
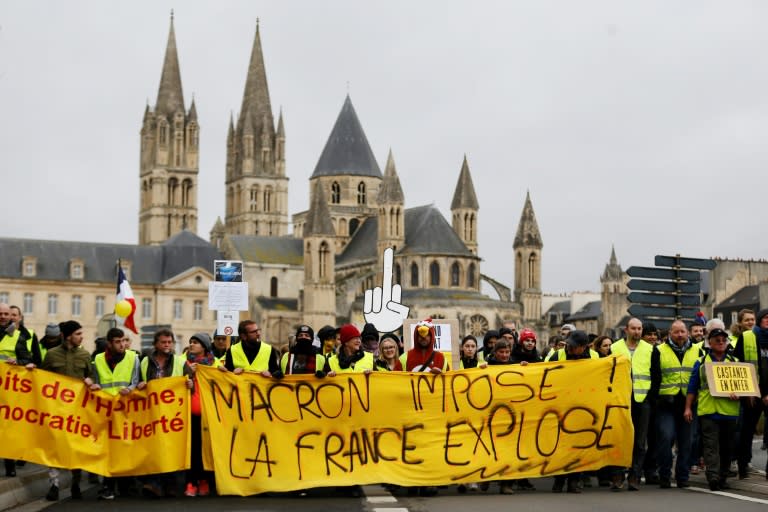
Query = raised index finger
x=386 y=286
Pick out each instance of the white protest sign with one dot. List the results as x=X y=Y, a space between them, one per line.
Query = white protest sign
x=228 y=296
x=446 y=338
x=226 y=322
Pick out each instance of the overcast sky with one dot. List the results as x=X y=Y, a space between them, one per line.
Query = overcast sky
x=639 y=124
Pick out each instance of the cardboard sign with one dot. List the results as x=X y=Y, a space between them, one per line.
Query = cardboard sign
x=725 y=379
x=447 y=338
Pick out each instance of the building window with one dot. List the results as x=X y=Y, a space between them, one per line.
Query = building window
x=53 y=304
x=434 y=273
x=267 y=199
x=532 y=271
x=76 y=304
x=361 y=193
x=4 y=298
x=29 y=266
x=100 y=306
x=414 y=274
x=353 y=225
x=198 y=310
x=254 y=198
x=146 y=309
x=323 y=260
x=455 y=274
x=77 y=271
x=29 y=301
x=471 y=275
x=273 y=287
x=335 y=193
x=398 y=274
x=177 y=309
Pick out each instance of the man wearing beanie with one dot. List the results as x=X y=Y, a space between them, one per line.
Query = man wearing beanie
x=752 y=347
x=303 y=358
x=51 y=339
x=72 y=360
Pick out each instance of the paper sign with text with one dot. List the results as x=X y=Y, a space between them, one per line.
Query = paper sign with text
x=415 y=429
x=725 y=379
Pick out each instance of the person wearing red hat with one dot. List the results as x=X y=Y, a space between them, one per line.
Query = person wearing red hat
x=350 y=356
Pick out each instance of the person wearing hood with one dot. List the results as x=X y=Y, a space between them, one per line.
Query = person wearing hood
x=302 y=358
x=423 y=357
x=370 y=339
x=350 y=356
x=752 y=347
x=671 y=365
x=489 y=339
x=199 y=352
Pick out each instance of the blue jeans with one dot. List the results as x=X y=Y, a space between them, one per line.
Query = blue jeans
x=671 y=427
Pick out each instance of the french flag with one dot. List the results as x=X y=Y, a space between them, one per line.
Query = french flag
x=125 y=304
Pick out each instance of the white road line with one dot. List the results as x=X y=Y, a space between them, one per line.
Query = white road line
x=382 y=499
x=729 y=495
x=393 y=509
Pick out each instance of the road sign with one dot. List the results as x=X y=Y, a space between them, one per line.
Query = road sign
x=642 y=311
x=664 y=273
x=658 y=298
x=664 y=286
x=677 y=261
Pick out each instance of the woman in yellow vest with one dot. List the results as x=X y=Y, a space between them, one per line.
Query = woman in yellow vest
x=717 y=415
x=469 y=356
x=388 y=360
x=350 y=357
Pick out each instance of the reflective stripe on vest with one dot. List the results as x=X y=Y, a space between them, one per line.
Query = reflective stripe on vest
x=366 y=363
x=112 y=381
x=8 y=346
x=750 y=347
x=178 y=367
x=641 y=366
x=260 y=362
x=674 y=374
x=708 y=404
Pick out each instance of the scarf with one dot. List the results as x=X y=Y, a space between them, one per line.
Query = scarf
x=469 y=362
x=346 y=361
x=206 y=359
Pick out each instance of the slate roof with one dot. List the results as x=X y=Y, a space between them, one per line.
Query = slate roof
x=149 y=264
x=588 y=311
x=563 y=306
x=347 y=151
x=426 y=232
x=747 y=296
x=286 y=250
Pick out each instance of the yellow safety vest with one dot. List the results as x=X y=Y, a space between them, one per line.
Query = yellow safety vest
x=319 y=362
x=480 y=360
x=641 y=366
x=709 y=404
x=750 y=347
x=260 y=362
x=366 y=363
x=675 y=374
x=561 y=355
x=8 y=346
x=178 y=367
x=112 y=381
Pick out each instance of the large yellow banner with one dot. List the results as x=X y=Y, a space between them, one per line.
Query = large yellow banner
x=501 y=422
x=54 y=420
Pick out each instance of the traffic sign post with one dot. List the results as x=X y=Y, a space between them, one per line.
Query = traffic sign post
x=663 y=295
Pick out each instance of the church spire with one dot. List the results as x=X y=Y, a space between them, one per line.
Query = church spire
x=464 y=196
x=528 y=234
x=256 y=95
x=318 y=218
x=464 y=208
x=170 y=98
x=390 y=190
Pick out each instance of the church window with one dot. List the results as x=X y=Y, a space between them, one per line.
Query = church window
x=186 y=193
x=414 y=274
x=335 y=193
x=342 y=226
x=323 y=260
x=163 y=136
x=434 y=273
x=230 y=200
x=471 y=275
x=353 y=225
x=455 y=274
x=398 y=274
x=254 y=198
x=173 y=186
x=532 y=271
x=361 y=193
x=273 y=287
x=478 y=325
x=268 y=199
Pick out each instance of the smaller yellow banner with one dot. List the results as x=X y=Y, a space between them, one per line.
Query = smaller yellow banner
x=725 y=379
x=54 y=420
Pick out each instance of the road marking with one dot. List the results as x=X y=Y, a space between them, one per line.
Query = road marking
x=729 y=495
x=393 y=509
x=382 y=499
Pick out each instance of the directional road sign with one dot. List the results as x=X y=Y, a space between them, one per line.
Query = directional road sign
x=642 y=311
x=664 y=273
x=658 y=298
x=677 y=261
x=664 y=286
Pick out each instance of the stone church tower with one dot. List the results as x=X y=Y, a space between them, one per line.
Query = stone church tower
x=464 y=208
x=319 y=262
x=613 y=291
x=169 y=163
x=527 y=247
x=391 y=203
x=256 y=184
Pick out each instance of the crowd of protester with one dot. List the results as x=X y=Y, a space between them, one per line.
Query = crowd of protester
x=671 y=404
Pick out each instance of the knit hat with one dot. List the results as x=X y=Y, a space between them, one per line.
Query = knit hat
x=68 y=327
x=327 y=332
x=759 y=317
x=347 y=332
x=305 y=329
x=648 y=328
x=577 y=339
x=527 y=334
x=700 y=319
x=52 y=330
x=369 y=333
x=203 y=338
